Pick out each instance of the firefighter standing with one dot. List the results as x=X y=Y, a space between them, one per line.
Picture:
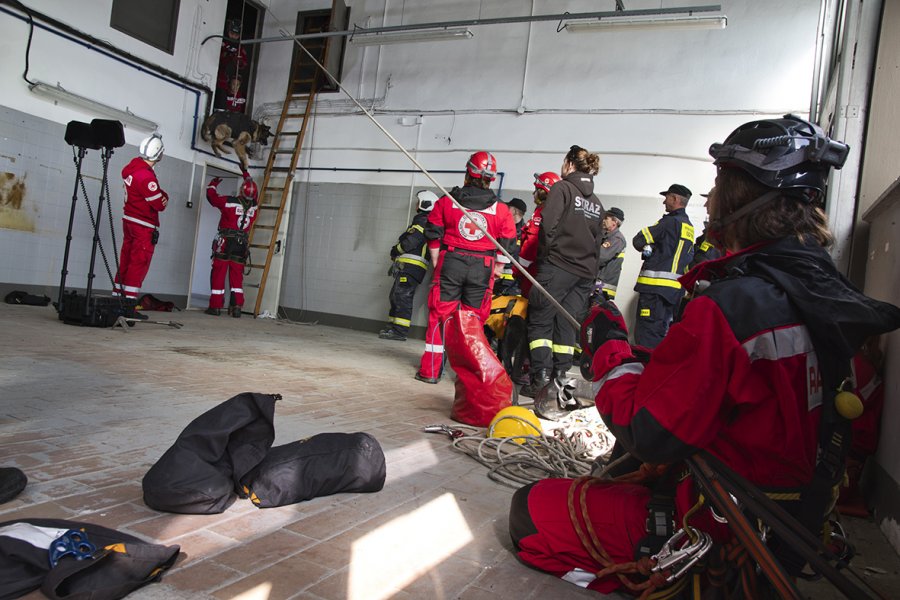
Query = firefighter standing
x=667 y=247
x=144 y=200
x=408 y=269
x=571 y=223
x=463 y=257
x=230 y=247
x=528 y=239
x=612 y=253
x=743 y=376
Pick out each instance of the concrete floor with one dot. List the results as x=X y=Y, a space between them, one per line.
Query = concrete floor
x=85 y=412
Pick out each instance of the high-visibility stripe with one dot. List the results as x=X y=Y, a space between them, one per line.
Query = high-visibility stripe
x=218 y=292
x=506 y=276
x=418 y=228
x=411 y=259
x=634 y=368
x=237 y=290
x=153 y=197
x=620 y=255
x=659 y=282
x=658 y=274
x=647 y=235
x=608 y=287
x=139 y=222
x=131 y=288
x=399 y=321
x=436 y=348
x=525 y=262
x=677 y=256
x=779 y=343
x=560 y=349
x=540 y=344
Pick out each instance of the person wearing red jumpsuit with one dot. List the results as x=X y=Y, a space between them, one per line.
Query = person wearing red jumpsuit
x=743 y=376
x=233 y=60
x=230 y=247
x=463 y=256
x=529 y=239
x=144 y=200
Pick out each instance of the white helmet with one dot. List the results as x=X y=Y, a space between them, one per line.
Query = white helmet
x=427 y=199
x=152 y=148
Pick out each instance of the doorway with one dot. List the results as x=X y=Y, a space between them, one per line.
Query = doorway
x=207 y=227
x=237 y=62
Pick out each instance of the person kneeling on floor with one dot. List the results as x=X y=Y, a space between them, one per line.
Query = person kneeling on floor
x=731 y=379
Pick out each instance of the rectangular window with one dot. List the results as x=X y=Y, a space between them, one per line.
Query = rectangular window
x=153 y=22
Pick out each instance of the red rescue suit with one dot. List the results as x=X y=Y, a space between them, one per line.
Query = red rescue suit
x=232 y=60
x=230 y=247
x=528 y=249
x=740 y=376
x=464 y=270
x=144 y=200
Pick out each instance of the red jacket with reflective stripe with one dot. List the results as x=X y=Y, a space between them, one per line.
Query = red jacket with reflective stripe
x=448 y=226
x=529 y=248
x=144 y=199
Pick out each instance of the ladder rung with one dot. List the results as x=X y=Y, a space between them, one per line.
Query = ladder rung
x=269 y=227
x=252 y=266
x=295 y=115
x=285 y=151
x=264 y=246
x=289 y=133
x=270 y=206
x=281 y=169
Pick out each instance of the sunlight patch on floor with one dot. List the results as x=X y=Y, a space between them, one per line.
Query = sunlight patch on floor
x=397 y=553
x=260 y=592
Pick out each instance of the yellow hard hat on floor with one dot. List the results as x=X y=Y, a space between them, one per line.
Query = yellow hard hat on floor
x=513 y=421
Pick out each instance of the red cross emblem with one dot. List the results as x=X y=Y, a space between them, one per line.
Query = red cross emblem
x=467 y=226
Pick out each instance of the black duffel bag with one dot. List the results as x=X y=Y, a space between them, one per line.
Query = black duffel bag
x=324 y=464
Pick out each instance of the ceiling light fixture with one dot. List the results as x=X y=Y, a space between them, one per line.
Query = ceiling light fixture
x=613 y=23
x=408 y=37
x=58 y=93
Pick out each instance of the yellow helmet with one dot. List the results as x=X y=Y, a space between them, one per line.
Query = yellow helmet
x=512 y=421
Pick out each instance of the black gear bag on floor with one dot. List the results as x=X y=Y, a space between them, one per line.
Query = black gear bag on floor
x=118 y=564
x=202 y=471
x=327 y=463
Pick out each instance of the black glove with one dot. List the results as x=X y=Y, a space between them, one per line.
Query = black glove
x=215 y=181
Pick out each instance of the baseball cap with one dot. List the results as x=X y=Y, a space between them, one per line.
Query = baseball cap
x=617 y=213
x=677 y=188
x=518 y=203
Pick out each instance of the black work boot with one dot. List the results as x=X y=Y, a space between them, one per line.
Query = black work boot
x=392 y=334
x=539 y=379
x=213 y=311
x=235 y=311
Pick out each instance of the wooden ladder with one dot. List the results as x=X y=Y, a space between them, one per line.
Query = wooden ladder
x=268 y=235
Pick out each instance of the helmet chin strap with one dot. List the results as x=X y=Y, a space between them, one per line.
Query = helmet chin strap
x=717 y=226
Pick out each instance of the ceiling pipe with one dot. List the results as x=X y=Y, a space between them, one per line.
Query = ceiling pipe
x=648 y=12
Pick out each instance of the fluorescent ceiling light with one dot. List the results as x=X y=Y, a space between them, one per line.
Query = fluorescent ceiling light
x=709 y=22
x=410 y=36
x=58 y=93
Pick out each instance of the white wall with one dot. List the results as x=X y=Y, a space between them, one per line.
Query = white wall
x=55 y=60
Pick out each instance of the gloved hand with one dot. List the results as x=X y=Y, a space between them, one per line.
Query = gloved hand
x=392 y=270
x=647 y=252
x=215 y=181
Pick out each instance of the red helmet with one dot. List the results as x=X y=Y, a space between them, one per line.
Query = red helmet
x=248 y=190
x=545 y=181
x=482 y=165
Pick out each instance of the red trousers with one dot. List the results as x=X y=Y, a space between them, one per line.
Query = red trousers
x=235 y=272
x=545 y=538
x=134 y=260
x=459 y=280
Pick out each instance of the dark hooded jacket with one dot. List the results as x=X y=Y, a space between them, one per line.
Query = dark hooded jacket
x=571 y=225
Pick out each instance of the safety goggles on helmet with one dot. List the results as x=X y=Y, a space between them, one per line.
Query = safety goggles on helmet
x=786 y=153
x=482 y=165
x=545 y=181
x=427 y=200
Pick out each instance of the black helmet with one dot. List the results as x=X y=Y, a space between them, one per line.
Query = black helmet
x=785 y=154
x=233 y=26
